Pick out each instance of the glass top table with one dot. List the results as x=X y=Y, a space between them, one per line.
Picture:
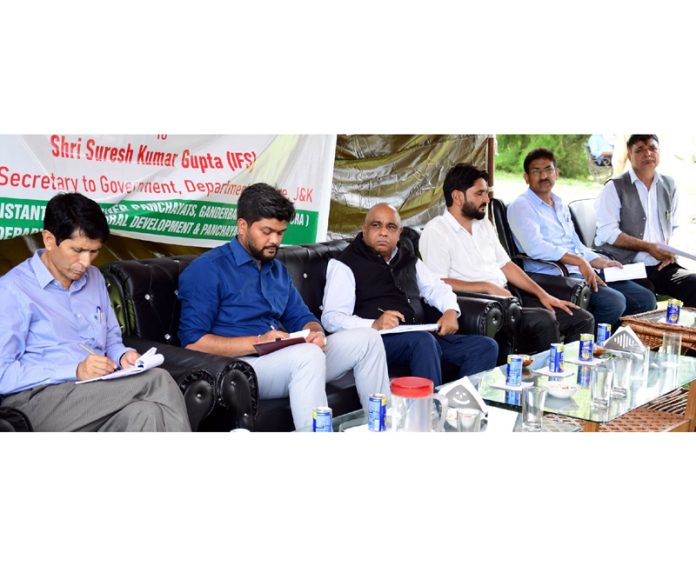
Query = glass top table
x=358 y=420
x=650 y=379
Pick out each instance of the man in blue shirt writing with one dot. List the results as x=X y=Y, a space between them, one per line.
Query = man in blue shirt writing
x=58 y=328
x=543 y=229
x=238 y=295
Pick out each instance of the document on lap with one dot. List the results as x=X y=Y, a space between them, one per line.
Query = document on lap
x=411 y=328
x=629 y=271
x=150 y=359
x=263 y=348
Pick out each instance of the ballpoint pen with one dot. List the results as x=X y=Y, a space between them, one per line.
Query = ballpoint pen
x=87 y=349
x=99 y=313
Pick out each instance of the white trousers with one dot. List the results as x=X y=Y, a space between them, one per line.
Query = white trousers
x=302 y=371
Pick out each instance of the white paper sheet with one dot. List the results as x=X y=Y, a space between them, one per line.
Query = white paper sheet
x=150 y=359
x=676 y=251
x=411 y=328
x=629 y=271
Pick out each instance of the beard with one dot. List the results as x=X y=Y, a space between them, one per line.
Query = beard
x=258 y=253
x=468 y=210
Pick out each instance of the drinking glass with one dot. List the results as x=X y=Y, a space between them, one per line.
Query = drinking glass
x=623 y=369
x=469 y=420
x=600 y=388
x=533 y=399
x=671 y=348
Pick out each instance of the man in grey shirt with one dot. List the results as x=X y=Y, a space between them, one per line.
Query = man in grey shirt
x=638 y=211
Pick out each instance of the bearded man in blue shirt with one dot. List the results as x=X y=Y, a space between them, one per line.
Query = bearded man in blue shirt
x=238 y=295
x=543 y=229
x=55 y=307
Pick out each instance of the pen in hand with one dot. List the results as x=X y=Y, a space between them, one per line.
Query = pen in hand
x=87 y=349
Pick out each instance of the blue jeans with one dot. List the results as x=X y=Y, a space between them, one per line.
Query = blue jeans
x=422 y=352
x=617 y=299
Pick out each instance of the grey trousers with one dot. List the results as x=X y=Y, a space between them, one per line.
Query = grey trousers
x=302 y=371
x=150 y=401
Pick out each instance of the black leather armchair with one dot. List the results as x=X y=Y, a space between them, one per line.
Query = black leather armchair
x=561 y=286
x=221 y=393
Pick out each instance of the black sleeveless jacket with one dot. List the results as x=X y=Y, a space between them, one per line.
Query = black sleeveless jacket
x=381 y=285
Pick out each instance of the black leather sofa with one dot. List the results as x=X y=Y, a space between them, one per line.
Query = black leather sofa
x=220 y=392
x=144 y=296
x=12 y=420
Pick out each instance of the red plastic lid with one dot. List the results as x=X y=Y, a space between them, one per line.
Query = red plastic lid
x=411 y=387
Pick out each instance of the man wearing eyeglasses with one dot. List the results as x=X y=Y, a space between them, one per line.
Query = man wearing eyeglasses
x=543 y=229
x=637 y=212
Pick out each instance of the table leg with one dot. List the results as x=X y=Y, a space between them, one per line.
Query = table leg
x=590 y=427
x=691 y=407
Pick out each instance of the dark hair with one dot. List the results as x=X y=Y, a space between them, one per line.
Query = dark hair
x=68 y=213
x=461 y=177
x=260 y=200
x=539 y=153
x=635 y=138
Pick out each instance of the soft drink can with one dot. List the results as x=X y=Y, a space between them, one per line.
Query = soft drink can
x=377 y=412
x=321 y=419
x=514 y=370
x=513 y=397
x=556 y=355
x=586 y=347
x=673 y=310
x=584 y=374
x=603 y=333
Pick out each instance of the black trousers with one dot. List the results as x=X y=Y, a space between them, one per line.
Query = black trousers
x=675 y=281
x=539 y=327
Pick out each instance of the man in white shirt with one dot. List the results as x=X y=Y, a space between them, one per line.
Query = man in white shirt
x=638 y=211
x=462 y=247
x=379 y=282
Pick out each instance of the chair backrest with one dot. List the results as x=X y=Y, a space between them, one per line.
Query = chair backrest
x=307 y=267
x=585 y=219
x=144 y=292
x=498 y=211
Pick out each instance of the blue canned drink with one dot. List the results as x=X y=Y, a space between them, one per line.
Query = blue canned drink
x=321 y=419
x=556 y=358
x=584 y=374
x=377 y=412
x=603 y=333
x=513 y=397
x=673 y=310
x=514 y=370
x=586 y=347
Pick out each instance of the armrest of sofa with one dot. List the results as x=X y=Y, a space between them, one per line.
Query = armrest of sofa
x=511 y=307
x=207 y=381
x=13 y=420
x=480 y=315
x=567 y=288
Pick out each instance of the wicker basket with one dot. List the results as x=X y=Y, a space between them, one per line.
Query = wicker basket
x=650 y=332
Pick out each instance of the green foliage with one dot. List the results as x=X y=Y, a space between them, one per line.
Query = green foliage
x=571 y=157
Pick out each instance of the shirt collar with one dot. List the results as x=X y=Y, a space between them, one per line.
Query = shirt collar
x=452 y=221
x=45 y=277
x=239 y=254
x=534 y=198
x=634 y=177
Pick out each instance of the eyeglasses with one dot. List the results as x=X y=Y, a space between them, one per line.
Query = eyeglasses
x=548 y=170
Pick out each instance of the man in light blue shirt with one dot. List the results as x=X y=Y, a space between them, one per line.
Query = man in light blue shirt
x=58 y=328
x=543 y=229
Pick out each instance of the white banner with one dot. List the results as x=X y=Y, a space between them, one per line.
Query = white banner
x=172 y=189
